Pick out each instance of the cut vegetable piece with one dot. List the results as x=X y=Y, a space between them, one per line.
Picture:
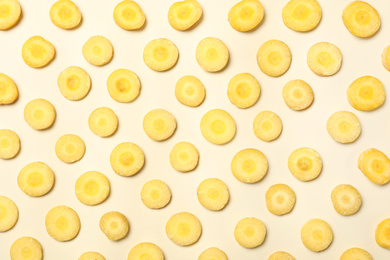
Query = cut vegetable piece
x=213 y=253
x=159 y=124
x=39 y=114
x=361 y=19
x=160 y=54
x=246 y=15
x=114 y=225
x=36 y=179
x=316 y=235
x=103 y=122
x=184 y=157
x=280 y=199
x=213 y=194
x=155 y=194
x=37 y=52
x=70 y=148
x=243 y=90
x=74 y=83
x=274 y=58
x=249 y=165
x=145 y=251
x=212 y=54
x=382 y=234
x=190 y=91
x=9 y=144
x=8 y=90
x=26 y=248
x=185 y=14
x=302 y=15
x=62 y=223
x=183 y=229
x=9 y=214
x=92 y=188
x=298 y=95
x=305 y=164
x=324 y=59
x=98 y=50
x=65 y=14
x=91 y=256
x=123 y=85
x=9 y=14
x=346 y=199
x=129 y=15
x=267 y=126
x=375 y=165
x=218 y=126
x=355 y=254
x=280 y=255
x=250 y=232
x=366 y=93
x=127 y=159
x=343 y=127
x=386 y=58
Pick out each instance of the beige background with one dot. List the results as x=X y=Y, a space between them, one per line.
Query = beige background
x=360 y=57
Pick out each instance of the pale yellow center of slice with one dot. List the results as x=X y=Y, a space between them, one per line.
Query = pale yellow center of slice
x=305 y=163
x=114 y=225
x=96 y=50
x=159 y=125
x=146 y=256
x=249 y=231
x=62 y=223
x=37 y=51
x=190 y=90
x=35 y=179
x=317 y=234
x=301 y=12
x=38 y=114
x=73 y=82
x=102 y=122
x=5 y=143
x=249 y=166
x=211 y=54
x=297 y=93
x=280 y=199
x=377 y=166
x=184 y=156
x=70 y=148
x=267 y=125
x=26 y=252
x=4 y=11
x=129 y=14
x=213 y=193
x=362 y=17
x=126 y=158
x=246 y=13
x=65 y=13
x=366 y=92
x=274 y=58
x=243 y=90
x=155 y=194
x=91 y=188
x=183 y=229
x=324 y=58
x=218 y=126
x=344 y=127
x=184 y=13
x=123 y=85
x=160 y=53
x=3 y=212
x=345 y=199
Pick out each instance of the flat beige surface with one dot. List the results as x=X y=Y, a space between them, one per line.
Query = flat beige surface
x=306 y=128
